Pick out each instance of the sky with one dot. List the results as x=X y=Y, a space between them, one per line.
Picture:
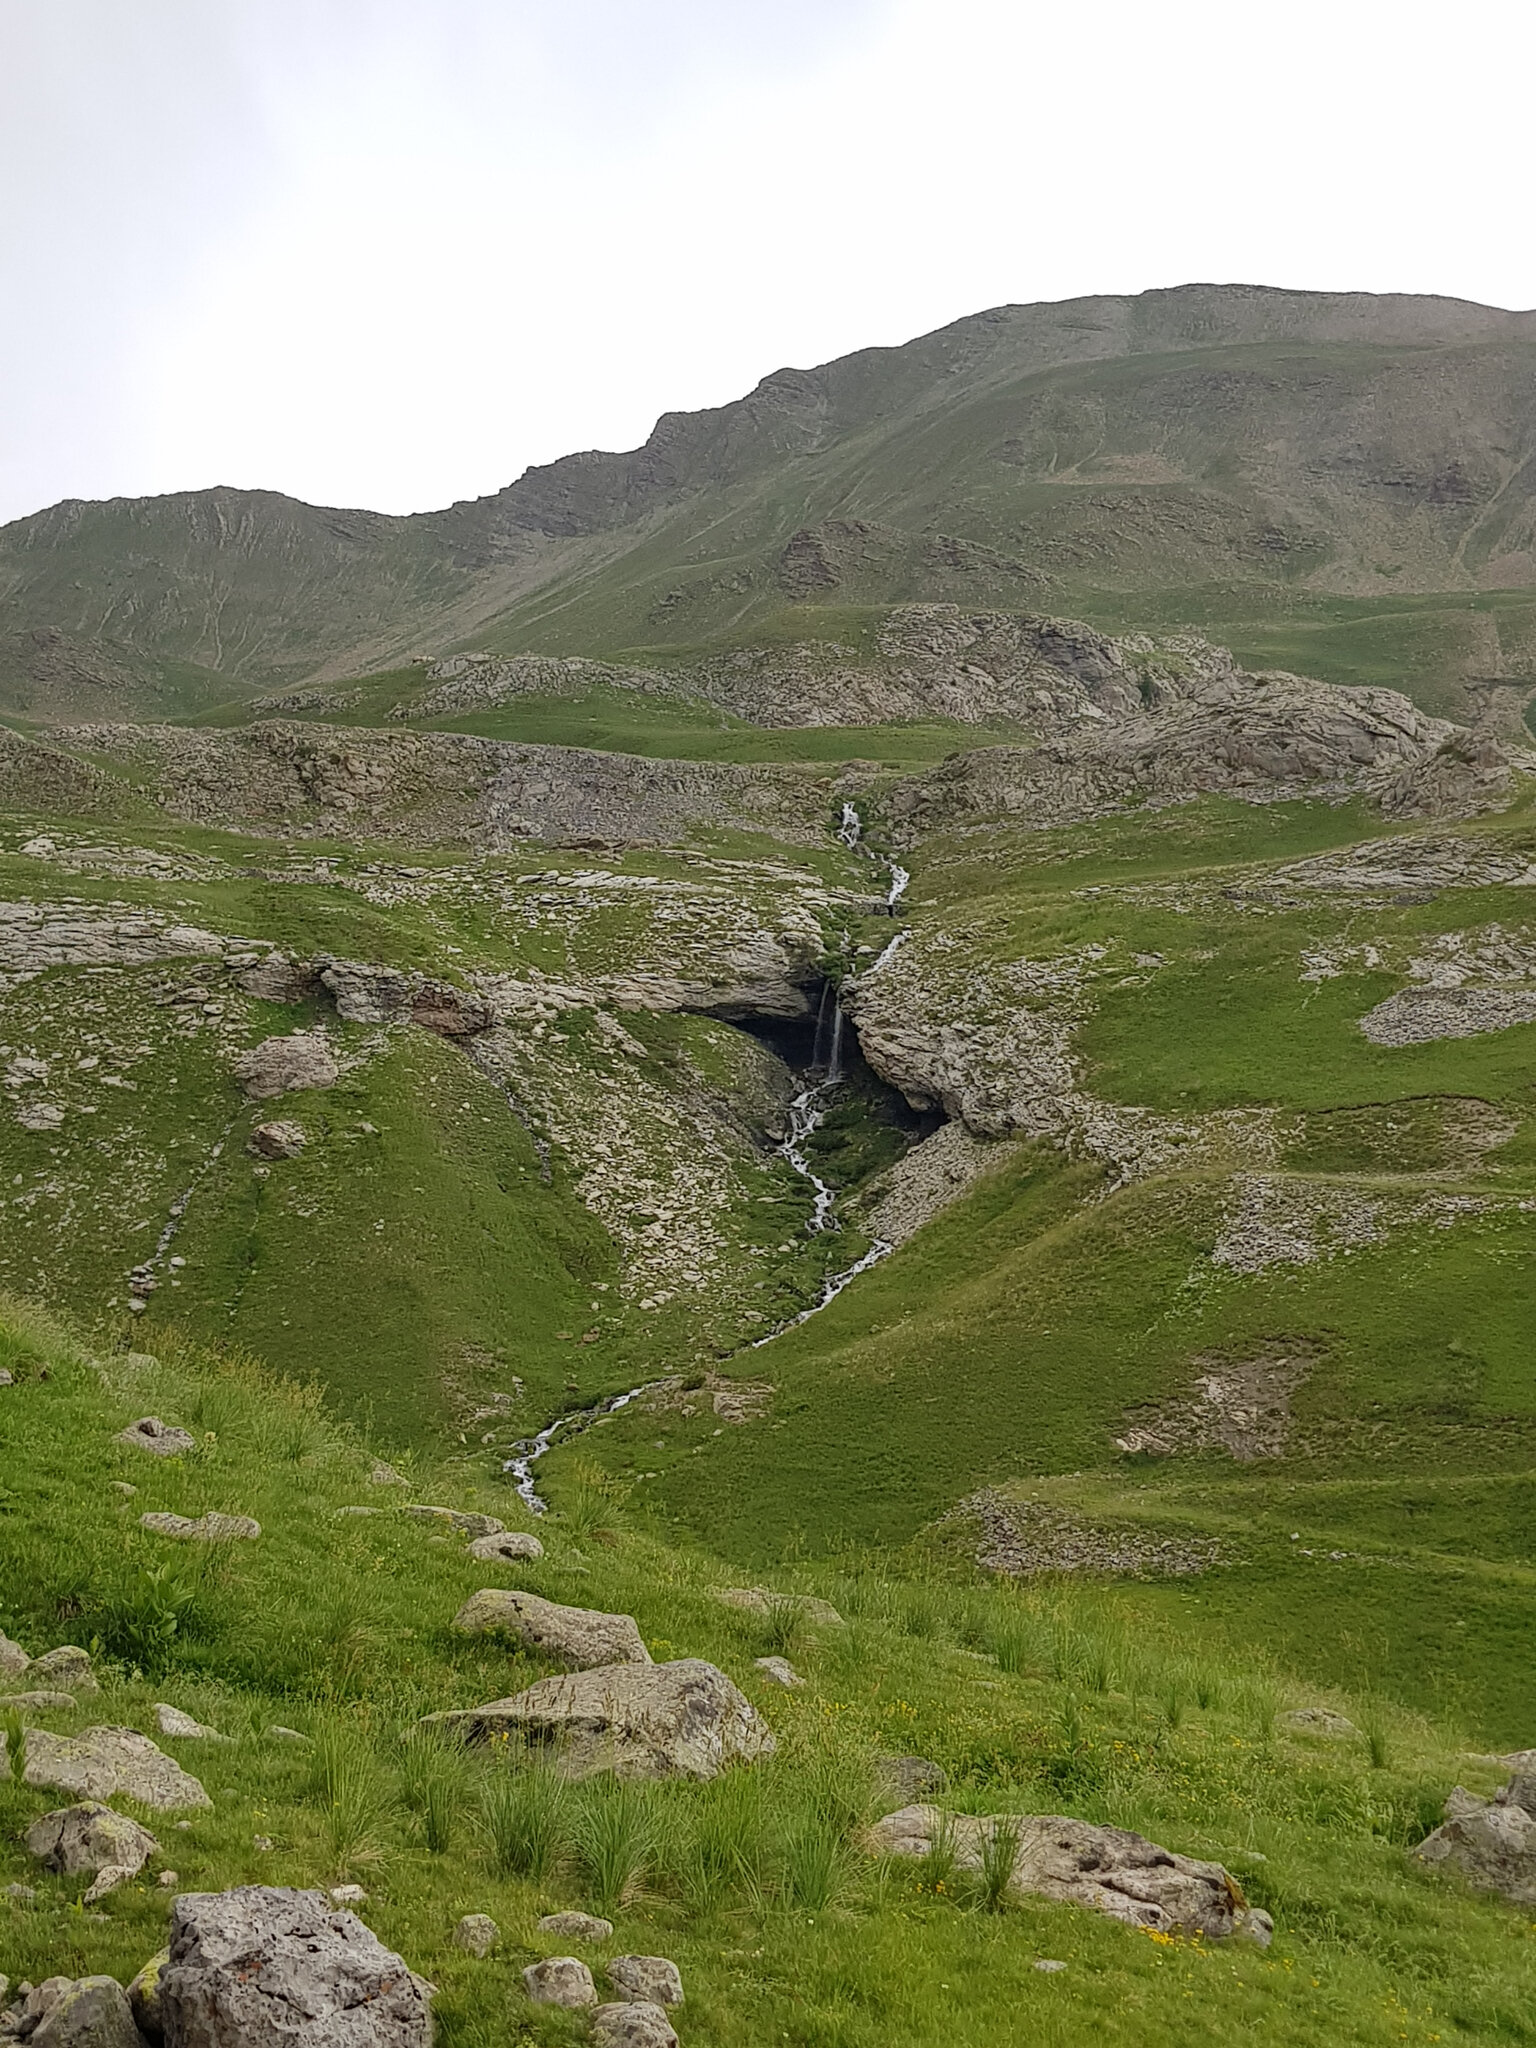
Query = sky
x=391 y=252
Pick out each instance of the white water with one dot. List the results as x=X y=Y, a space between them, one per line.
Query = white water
x=891 y=946
x=531 y=1449
x=851 y=828
x=899 y=880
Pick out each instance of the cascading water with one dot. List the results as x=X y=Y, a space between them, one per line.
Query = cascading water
x=527 y=1453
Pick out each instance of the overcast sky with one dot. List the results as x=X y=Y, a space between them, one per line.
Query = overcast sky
x=389 y=252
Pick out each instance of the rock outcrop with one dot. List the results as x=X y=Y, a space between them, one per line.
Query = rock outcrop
x=160 y=1439
x=1108 y=1869
x=209 y=1528
x=90 y=1837
x=107 y=1761
x=277 y=1066
x=578 y=1636
x=263 y=1967
x=683 y=1719
x=1491 y=1842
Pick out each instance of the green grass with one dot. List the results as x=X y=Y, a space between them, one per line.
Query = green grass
x=755 y=1884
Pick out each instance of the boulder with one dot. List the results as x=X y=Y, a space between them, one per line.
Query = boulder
x=632 y=2024
x=104 y=1761
x=92 y=2013
x=1108 y=1869
x=13 y=1658
x=510 y=1546
x=90 y=1837
x=38 y=1702
x=477 y=1933
x=462 y=1520
x=577 y=1635
x=651 y=1980
x=66 y=1667
x=576 y=1927
x=209 y=1528
x=277 y=1065
x=181 y=1727
x=763 y=1600
x=780 y=1670
x=106 y=1880
x=277 y=1141
x=160 y=1439
x=36 y=2000
x=265 y=1967
x=560 y=1980
x=144 y=1996
x=1492 y=1844
x=683 y=1719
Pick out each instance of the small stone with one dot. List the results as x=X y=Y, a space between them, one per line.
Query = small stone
x=90 y=1837
x=649 y=1980
x=277 y=1065
x=348 y=1895
x=38 y=1702
x=175 y=1723
x=283 y=1734
x=106 y=1880
x=1318 y=1721
x=632 y=2024
x=125 y=1487
x=277 y=1141
x=106 y=1761
x=263 y=1844
x=576 y=1927
x=144 y=1995
x=780 y=1670
x=23 y=1894
x=509 y=1546
x=911 y=1777
x=560 y=1980
x=169 y=1879
x=1048 y=1964
x=579 y=1636
x=160 y=1439
x=209 y=1528
x=13 y=1658
x=463 y=1521
x=478 y=1933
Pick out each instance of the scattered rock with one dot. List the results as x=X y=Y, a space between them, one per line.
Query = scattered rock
x=910 y=1777
x=104 y=1761
x=160 y=1439
x=650 y=1980
x=13 y=1658
x=1048 y=1964
x=461 y=1520
x=763 y=1600
x=348 y=1895
x=279 y=1065
x=1492 y=1843
x=632 y=2024
x=282 y=1734
x=1025 y=1537
x=780 y=1670
x=125 y=1487
x=580 y=1636
x=263 y=1844
x=478 y=1933
x=68 y=1667
x=73 y=1839
x=106 y=1880
x=1076 y=1863
x=576 y=1927
x=93 y=2013
x=1318 y=1721
x=168 y=1880
x=683 y=1719
x=277 y=1141
x=560 y=1980
x=23 y=1894
x=39 y=1702
x=175 y=1723
x=209 y=1528
x=144 y=1996
x=382 y=1474
x=264 y=1965
x=511 y=1546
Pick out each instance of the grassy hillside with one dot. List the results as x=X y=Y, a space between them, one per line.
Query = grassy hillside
x=1089 y=1703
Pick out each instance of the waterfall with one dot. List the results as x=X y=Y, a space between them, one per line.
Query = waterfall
x=835 y=1060
x=851 y=828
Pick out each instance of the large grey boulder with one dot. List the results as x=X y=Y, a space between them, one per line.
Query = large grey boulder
x=209 y=1528
x=652 y=1980
x=577 y=1635
x=632 y=2024
x=160 y=1439
x=1110 y=1870
x=265 y=1967
x=1492 y=1843
x=105 y=1761
x=683 y=1719
x=560 y=1980
x=277 y=1065
x=509 y=1546
x=93 y=2013
x=90 y=1837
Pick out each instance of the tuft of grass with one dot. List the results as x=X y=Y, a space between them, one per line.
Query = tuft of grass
x=815 y=1863
x=618 y=1837
x=783 y=1626
x=999 y=1853
x=936 y=1871
x=435 y=1780
x=526 y=1820
x=356 y=1797
x=1378 y=1737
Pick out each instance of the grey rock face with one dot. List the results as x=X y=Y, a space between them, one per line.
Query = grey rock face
x=576 y=1926
x=159 y=1438
x=560 y=1980
x=90 y=1837
x=511 y=1546
x=1108 y=1869
x=209 y=1528
x=651 y=1980
x=277 y=1141
x=279 y=1065
x=104 y=1761
x=632 y=2024
x=93 y=2013
x=683 y=1719
x=578 y=1635
x=264 y=1967
x=477 y=1933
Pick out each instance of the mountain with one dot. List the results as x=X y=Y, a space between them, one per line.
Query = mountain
x=1343 y=484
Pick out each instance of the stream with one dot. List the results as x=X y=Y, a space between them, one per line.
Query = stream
x=807 y=1110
